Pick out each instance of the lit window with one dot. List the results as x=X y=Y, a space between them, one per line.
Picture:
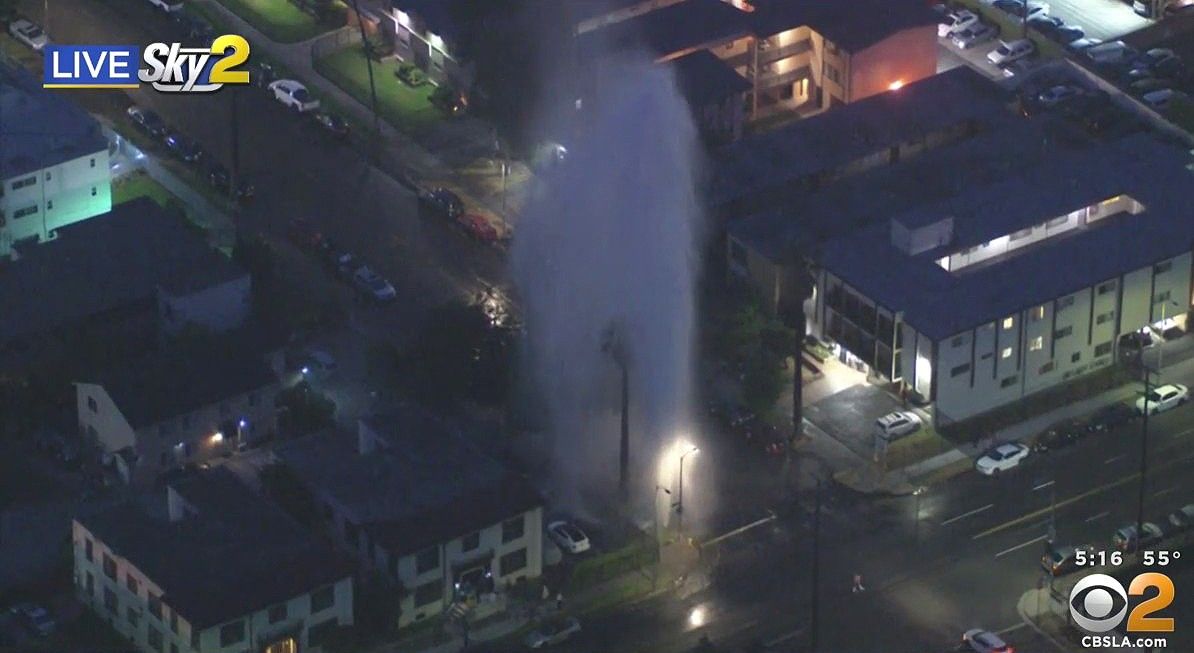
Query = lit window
x=1009 y=322
x=1036 y=344
x=1006 y=353
x=1037 y=313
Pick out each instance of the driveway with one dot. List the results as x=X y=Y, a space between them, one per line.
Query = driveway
x=849 y=416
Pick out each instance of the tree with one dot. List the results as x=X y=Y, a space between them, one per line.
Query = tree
x=304 y=410
x=762 y=381
x=802 y=283
x=458 y=355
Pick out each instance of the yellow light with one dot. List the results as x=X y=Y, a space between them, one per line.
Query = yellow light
x=896 y=85
x=217 y=437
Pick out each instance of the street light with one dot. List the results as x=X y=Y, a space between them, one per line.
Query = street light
x=1144 y=424
x=916 y=524
x=680 y=497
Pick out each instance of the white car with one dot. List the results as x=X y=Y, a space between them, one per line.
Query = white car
x=1009 y=51
x=167 y=5
x=956 y=22
x=894 y=426
x=568 y=536
x=1162 y=398
x=552 y=632
x=976 y=34
x=28 y=33
x=373 y=285
x=985 y=641
x=1001 y=458
x=1110 y=53
x=293 y=95
x=1055 y=95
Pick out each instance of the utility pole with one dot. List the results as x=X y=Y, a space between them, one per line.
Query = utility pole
x=816 y=575
x=1143 y=453
x=367 y=48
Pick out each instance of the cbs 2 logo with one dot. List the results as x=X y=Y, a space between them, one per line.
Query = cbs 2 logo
x=1098 y=603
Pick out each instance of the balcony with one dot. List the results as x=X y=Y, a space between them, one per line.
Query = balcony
x=770 y=54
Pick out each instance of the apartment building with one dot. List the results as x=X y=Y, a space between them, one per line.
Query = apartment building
x=414 y=501
x=224 y=571
x=53 y=163
x=178 y=406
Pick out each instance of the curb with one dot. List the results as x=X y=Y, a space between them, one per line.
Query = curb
x=1022 y=610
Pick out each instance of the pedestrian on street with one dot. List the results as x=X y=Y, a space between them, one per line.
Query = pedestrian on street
x=559 y=601
x=857 y=584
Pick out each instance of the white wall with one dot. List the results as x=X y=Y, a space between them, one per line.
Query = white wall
x=111 y=429
x=64 y=193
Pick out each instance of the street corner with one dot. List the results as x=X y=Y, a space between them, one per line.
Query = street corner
x=869 y=479
x=1046 y=615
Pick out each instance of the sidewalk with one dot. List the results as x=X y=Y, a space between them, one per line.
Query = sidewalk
x=474 y=176
x=864 y=476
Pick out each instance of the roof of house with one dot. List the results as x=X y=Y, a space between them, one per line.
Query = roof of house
x=835 y=138
x=1009 y=194
x=40 y=128
x=852 y=26
x=704 y=79
x=241 y=553
x=107 y=262
x=676 y=28
x=167 y=384
x=429 y=485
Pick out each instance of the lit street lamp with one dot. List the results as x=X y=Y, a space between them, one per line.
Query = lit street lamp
x=680 y=496
x=916 y=524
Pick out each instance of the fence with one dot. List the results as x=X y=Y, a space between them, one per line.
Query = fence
x=335 y=41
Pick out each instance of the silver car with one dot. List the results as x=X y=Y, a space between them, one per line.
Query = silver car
x=894 y=426
x=974 y=35
x=552 y=632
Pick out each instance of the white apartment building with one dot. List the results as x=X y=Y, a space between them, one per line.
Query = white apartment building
x=417 y=503
x=54 y=168
x=226 y=572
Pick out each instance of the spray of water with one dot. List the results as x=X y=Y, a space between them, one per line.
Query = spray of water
x=609 y=241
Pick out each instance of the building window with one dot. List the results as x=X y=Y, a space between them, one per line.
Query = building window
x=27 y=181
x=110 y=600
x=471 y=541
x=958 y=340
x=92 y=162
x=322 y=599
x=1009 y=381
x=512 y=562
x=1020 y=235
x=429 y=593
x=1037 y=313
x=109 y=567
x=1065 y=302
x=1036 y=344
x=89 y=584
x=1062 y=333
x=1057 y=222
x=1076 y=357
x=1105 y=317
x=132 y=616
x=49 y=205
x=89 y=549
x=1046 y=368
x=1105 y=288
x=1103 y=349
x=1162 y=268
x=92 y=405
x=1008 y=323
x=513 y=528
x=232 y=633
x=987 y=356
x=155 y=606
x=174 y=621
x=155 y=639
x=427 y=559
x=960 y=370
x=28 y=210
x=1161 y=297
x=277 y=613
x=319 y=633
x=93 y=191
x=194 y=639
x=132 y=583
x=1006 y=353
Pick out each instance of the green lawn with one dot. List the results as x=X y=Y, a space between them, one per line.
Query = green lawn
x=403 y=107
x=280 y=20
x=20 y=53
x=140 y=184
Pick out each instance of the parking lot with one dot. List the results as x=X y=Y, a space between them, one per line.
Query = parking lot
x=1101 y=19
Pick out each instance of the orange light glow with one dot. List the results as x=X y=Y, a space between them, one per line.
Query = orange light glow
x=896 y=85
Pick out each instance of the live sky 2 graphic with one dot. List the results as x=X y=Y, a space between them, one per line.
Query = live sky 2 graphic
x=168 y=67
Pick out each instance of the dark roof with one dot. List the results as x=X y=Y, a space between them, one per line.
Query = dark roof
x=427 y=486
x=774 y=159
x=175 y=382
x=239 y=554
x=852 y=26
x=106 y=262
x=992 y=201
x=681 y=27
x=706 y=79
x=40 y=128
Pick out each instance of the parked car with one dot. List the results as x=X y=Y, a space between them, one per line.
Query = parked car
x=1045 y=24
x=36 y=618
x=183 y=147
x=1069 y=34
x=1009 y=51
x=1083 y=43
x=332 y=123
x=1160 y=100
x=411 y=75
x=262 y=75
x=1019 y=8
x=220 y=179
x=1062 y=560
x=1001 y=458
x=955 y=22
x=985 y=641
x=373 y=285
x=1111 y=417
x=1110 y=53
x=294 y=95
x=29 y=33
x=147 y=121
x=898 y=424
x=443 y=201
x=975 y=35
x=552 y=632
x=1019 y=68
x=1055 y=95
x=1059 y=436
x=1163 y=398
x=1182 y=518
x=568 y=536
x=167 y=5
x=1125 y=538
x=478 y=227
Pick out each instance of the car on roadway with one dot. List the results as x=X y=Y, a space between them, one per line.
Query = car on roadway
x=221 y=180
x=1000 y=459
x=1058 y=94
x=1111 y=417
x=1163 y=398
x=896 y=425
x=36 y=618
x=1009 y=51
x=29 y=33
x=1125 y=538
x=373 y=285
x=294 y=95
x=147 y=121
x=985 y=641
x=1182 y=518
x=1062 y=560
x=167 y=5
x=956 y=21
x=975 y=35
x=1063 y=434
x=442 y=201
x=552 y=632
x=332 y=123
x=568 y=536
x=183 y=147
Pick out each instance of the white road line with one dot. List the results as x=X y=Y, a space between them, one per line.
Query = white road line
x=1097 y=517
x=1043 y=486
x=1165 y=491
x=967 y=514
x=1112 y=459
x=1012 y=629
x=783 y=638
x=1021 y=545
